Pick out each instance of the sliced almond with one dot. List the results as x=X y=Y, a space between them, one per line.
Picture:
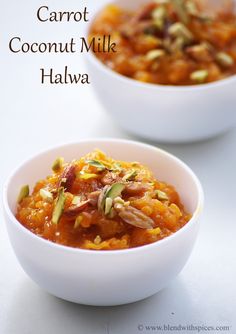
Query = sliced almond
x=134 y=217
x=74 y=210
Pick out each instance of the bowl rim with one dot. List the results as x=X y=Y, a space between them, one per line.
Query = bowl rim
x=10 y=215
x=164 y=88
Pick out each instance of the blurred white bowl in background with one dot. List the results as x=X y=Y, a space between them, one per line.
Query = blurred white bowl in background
x=164 y=113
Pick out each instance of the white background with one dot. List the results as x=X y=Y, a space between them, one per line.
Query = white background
x=35 y=116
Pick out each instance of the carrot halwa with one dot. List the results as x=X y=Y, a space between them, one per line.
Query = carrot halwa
x=99 y=203
x=170 y=42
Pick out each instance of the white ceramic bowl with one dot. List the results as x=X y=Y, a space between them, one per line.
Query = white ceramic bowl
x=164 y=113
x=104 y=277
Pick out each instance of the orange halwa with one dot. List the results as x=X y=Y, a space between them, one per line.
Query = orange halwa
x=100 y=203
x=170 y=42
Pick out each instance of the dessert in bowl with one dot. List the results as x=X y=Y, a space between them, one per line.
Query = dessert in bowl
x=171 y=78
x=102 y=271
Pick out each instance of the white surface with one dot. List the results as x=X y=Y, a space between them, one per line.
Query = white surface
x=108 y=278
x=204 y=293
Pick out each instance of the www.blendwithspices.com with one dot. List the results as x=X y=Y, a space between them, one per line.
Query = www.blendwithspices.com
x=183 y=328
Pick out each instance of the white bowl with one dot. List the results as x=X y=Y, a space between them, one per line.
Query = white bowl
x=164 y=113
x=104 y=277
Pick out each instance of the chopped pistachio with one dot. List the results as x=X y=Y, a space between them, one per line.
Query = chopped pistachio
x=155 y=54
x=224 y=59
x=159 y=13
x=181 y=11
x=159 y=24
x=97 y=240
x=78 y=221
x=205 y=18
x=59 y=207
x=178 y=44
x=108 y=205
x=191 y=8
x=178 y=29
x=76 y=200
x=24 y=192
x=107 y=164
x=46 y=195
x=161 y=195
x=57 y=165
x=111 y=192
x=115 y=190
x=87 y=176
x=130 y=176
x=151 y=184
x=199 y=76
x=97 y=164
x=116 y=167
